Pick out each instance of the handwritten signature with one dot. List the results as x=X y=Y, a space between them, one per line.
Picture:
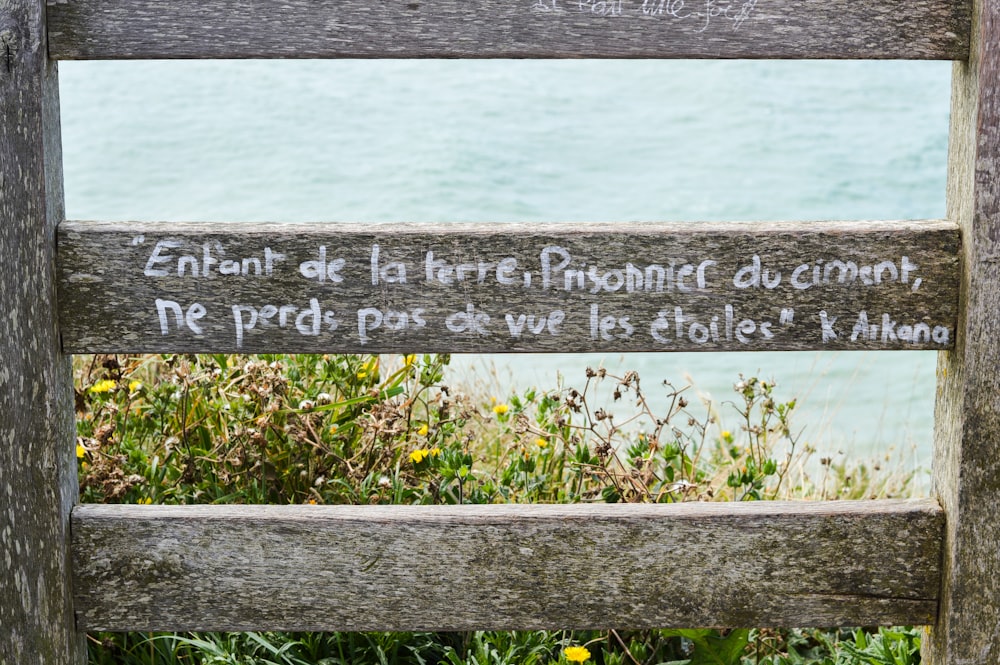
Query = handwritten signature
x=601 y=7
x=737 y=12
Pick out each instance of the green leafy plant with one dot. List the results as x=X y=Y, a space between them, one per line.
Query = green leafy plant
x=389 y=430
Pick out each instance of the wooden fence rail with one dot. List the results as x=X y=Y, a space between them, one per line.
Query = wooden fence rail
x=309 y=288
x=912 y=29
x=74 y=287
x=506 y=567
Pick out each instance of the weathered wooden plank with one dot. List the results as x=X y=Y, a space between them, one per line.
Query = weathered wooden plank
x=967 y=417
x=153 y=287
x=918 y=29
x=506 y=566
x=37 y=465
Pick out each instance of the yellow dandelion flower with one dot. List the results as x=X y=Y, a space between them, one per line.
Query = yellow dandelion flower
x=146 y=501
x=409 y=359
x=501 y=409
x=418 y=455
x=576 y=654
x=103 y=386
x=541 y=443
x=434 y=452
x=361 y=375
x=134 y=386
x=311 y=502
x=80 y=451
x=423 y=430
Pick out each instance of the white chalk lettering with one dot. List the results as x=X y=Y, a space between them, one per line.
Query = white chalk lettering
x=308 y=321
x=702 y=281
x=373 y=318
x=808 y=275
x=558 y=261
x=889 y=330
x=861 y=328
x=182 y=317
x=687 y=270
x=535 y=324
x=673 y=8
x=610 y=281
x=736 y=12
x=684 y=271
x=393 y=272
x=240 y=324
x=755 y=276
x=155 y=258
x=609 y=327
x=440 y=271
x=322 y=270
x=659 y=326
x=203 y=265
x=826 y=325
x=547 y=268
x=601 y=7
x=504 y=269
x=468 y=321
x=717 y=329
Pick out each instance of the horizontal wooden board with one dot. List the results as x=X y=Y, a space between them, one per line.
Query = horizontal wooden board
x=105 y=29
x=506 y=567
x=314 y=288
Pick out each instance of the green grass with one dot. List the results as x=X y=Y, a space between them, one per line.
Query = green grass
x=369 y=430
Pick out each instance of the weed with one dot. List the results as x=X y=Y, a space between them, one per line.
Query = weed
x=386 y=430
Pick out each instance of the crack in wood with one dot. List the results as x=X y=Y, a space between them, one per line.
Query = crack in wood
x=9 y=41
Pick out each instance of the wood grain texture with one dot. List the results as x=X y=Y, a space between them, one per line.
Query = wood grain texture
x=967 y=418
x=103 y=29
x=506 y=566
x=37 y=465
x=620 y=287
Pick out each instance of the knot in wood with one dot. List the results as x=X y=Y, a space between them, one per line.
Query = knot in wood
x=10 y=45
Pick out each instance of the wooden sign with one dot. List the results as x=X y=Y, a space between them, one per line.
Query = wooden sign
x=157 y=287
x=912 y=29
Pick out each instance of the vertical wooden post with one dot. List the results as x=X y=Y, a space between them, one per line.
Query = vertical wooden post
x=967 y=436
x=37 y=461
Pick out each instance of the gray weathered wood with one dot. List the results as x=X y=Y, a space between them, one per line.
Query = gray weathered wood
x=113 y=275
x=37 y=465
x=506 y=566
x=967 y=455
x=95 y=29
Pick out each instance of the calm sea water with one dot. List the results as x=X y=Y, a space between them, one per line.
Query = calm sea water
x=564 y=141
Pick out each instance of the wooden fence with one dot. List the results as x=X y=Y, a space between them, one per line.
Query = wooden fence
x=90 y=286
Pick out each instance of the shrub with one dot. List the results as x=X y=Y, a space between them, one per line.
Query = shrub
x=338 y=429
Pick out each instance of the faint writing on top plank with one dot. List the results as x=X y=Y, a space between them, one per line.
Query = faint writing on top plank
x=701 y=13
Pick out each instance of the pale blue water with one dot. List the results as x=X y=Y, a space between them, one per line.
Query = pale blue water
x=487 y=141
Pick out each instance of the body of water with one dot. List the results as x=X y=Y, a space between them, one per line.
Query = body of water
x=555 y=141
